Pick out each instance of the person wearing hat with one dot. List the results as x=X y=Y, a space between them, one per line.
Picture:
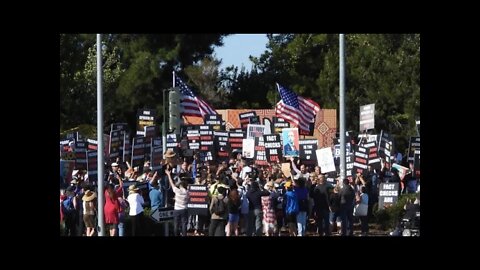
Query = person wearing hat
x=89 y=211
x=171 y=158
x=136 y=202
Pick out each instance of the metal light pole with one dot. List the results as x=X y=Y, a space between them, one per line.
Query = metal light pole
x=342 y=109
x=100 y=166
x=164 y=131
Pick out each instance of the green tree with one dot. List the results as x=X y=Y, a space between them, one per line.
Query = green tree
x=380 y=68
x=142 y=67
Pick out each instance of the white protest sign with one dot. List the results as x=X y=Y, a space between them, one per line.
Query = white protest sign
x=248 y=148
x=325 y=159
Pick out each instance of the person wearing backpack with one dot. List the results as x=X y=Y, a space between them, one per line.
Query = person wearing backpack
x=69 y=209
x=219 y=211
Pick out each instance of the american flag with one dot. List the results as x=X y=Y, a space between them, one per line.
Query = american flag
x=296 y=109
x=191 y=104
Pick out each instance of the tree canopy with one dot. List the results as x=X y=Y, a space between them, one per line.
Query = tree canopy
x=380 y=68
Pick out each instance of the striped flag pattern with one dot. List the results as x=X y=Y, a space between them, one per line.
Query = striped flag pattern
x=295 y=109
x=192 y=105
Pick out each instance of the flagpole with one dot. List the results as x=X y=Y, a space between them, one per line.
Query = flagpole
x=100 y=165
x=275 y=104
x=342 y=108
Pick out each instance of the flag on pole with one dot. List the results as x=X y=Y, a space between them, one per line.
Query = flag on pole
x=192 y=105
x=295 y=109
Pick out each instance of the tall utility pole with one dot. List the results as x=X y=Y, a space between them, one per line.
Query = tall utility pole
x=100 y=166
x=342 y=109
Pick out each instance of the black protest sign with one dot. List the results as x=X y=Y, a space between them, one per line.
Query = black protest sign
x=259 y=155
x=255 y=120
x=388 y=195
x=349 y=164
x=197 y=200
x=81 y=155
x=222 y=147
x=273 y=147
x=157 y=142
x=245 y=119
x=146 y=117
x=360 y=160
x=207 y=151
x=172 y=143
x=193 y=139
x=138 y=151
x=184 y=129
x=115 y=143
x=416 y=163
x=92 y=165
x=235 y=140
x=215 y=121
x=385 y=149
x=236 y=130
x=414 y=145
x=92 y=144
x=127 y=147
x=279 y=124
x=150 y=132
x=156 y=158
x=373 y=158
x=206 y=132
x=307 y=151
x=337 y=150
x=118 y=126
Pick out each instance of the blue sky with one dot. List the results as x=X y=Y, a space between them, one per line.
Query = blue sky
x=238 y=47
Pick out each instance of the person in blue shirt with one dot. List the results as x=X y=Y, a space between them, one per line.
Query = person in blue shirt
x=156 y=196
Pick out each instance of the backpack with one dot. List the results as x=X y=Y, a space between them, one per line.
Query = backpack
x=219 y=207
x=67 y=206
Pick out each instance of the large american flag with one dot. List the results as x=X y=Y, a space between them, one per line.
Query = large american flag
x=192 y=105
x=295 y=109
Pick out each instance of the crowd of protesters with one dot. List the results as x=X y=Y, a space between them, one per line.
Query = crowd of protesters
x=259 y=200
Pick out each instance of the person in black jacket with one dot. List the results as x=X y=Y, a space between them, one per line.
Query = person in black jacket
x=322 y=203
x=347 y=197
x=255 y=212
x=334 y=208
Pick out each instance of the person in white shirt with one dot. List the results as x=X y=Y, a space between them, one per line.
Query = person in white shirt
x=180 y=207
x=136 y=202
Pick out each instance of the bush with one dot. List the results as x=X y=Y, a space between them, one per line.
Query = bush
x=388 y=218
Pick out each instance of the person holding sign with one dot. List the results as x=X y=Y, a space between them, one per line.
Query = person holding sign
x=290 y=142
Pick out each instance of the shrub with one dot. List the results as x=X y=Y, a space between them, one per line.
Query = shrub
x=388 y=218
